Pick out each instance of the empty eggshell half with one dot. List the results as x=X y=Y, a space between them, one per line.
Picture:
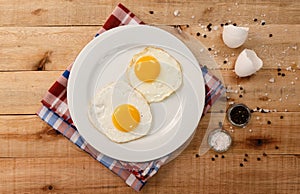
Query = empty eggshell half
x=234 y=36
x=247 y=63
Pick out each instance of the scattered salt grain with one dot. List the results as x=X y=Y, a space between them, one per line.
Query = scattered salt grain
x=176 y=13
x=215 y=28
x=289 y=68
x=272 y=80
x=193 y=17
x=265 y=110
x=250 y=130
x=262 y=110
x=293 y=83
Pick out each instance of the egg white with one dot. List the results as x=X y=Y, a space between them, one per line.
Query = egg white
x=104 y=103
x=168 y=81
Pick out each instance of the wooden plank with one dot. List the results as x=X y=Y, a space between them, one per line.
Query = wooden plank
x=226 y=175
x=279 y=50
x=273 y=173
x=42 y=175
x=22 y=48
x=49 y=13
x=28 y=136
x=282 y=95
x=21 y=92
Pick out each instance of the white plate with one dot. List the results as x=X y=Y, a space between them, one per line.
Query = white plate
x=81 y=55
x=104 y=60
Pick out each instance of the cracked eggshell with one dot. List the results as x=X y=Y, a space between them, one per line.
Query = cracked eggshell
x=247 y=63
x=234 y=36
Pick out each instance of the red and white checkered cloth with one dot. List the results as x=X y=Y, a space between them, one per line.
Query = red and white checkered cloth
x=55 y=112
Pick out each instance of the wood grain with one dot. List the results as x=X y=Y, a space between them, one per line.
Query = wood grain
x=73 y=12
x=23 y=47
x=28 y=136
x=38 y=39
x=83 y=174
x=22 y=91
x=22 y=94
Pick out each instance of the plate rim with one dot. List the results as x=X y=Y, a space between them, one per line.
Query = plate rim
x=96 y=41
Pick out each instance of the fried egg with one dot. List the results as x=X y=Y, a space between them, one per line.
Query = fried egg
x=120 y=112
x=154 y=73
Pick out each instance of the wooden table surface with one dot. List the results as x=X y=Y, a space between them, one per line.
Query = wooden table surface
x=265 y=156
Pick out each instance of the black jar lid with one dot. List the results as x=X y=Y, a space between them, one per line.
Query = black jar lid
x=239 y=115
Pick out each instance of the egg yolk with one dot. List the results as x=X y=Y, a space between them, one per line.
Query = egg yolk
x=126 y=118
x=147 y=68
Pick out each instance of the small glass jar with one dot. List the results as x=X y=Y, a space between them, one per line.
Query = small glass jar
x=219 y=140
x=239 y=115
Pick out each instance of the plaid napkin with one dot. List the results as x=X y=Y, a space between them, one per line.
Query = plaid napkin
x=55 y=112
